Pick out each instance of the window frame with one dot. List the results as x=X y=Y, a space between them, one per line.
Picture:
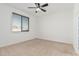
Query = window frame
x=22 y=22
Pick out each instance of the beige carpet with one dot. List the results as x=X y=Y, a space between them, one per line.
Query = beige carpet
x=38 y=47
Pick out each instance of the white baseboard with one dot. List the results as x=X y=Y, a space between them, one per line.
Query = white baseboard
x=15 y=42
x=57 y=41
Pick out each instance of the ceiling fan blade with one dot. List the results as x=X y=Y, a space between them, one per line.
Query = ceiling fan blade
x=37 y=4
x=45 y=5
x=43 y=10
x=32 y=7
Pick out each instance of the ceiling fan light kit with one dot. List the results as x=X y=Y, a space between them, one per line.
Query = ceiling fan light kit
x=38 y=9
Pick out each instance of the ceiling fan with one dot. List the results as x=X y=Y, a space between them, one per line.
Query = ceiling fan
x=39 y=7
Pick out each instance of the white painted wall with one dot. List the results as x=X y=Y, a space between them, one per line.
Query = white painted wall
x=57 y=25
x=7 y=37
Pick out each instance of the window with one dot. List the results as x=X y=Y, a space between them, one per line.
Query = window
x=20 y=23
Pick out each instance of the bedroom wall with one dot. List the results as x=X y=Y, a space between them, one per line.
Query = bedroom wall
x=54 y=26
x=8 y=37
x=57 y=25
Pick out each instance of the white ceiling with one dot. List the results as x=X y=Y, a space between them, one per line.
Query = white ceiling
x=51 y=8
